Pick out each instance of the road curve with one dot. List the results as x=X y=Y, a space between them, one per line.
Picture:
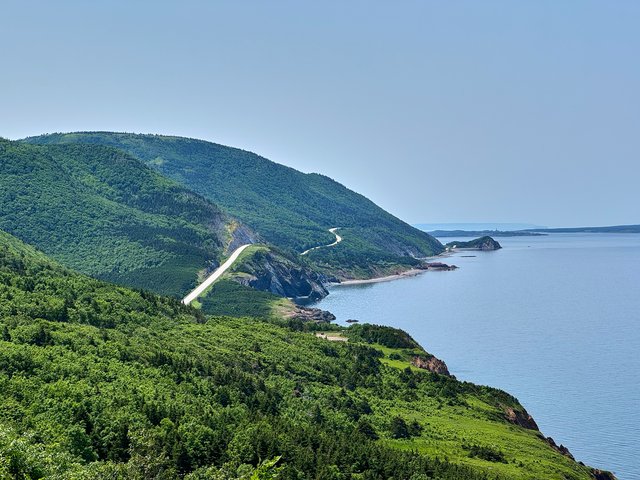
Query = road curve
x=214 y=276
x=338 y=240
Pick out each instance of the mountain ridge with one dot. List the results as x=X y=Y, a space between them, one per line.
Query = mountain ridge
x=288 y=208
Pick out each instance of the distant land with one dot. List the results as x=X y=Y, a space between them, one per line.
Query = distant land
x=478 y=227
x=533 y=231
x=610 y=229
x=485 y=233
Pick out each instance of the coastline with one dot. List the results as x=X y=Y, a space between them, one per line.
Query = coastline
x=581 y=449
x=411 y=272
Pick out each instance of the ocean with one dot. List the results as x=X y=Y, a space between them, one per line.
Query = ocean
x=553 y=320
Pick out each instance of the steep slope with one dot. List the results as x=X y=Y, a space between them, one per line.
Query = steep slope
x=288 y=208
x=100 y=381
x=104 y=213
x=268 y=270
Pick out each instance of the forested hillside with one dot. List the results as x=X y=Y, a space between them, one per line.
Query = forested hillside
x=104 y=213
x=288 y=208
x=100 y=381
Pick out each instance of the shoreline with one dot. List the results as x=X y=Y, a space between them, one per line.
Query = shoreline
x=407 y=274
x=411 y=329
x=411 y=272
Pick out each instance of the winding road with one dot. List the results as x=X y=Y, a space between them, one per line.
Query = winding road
x=199 y=290
x=338 y=240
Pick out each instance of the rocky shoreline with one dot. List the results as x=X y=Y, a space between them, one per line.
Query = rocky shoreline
x=412 y=272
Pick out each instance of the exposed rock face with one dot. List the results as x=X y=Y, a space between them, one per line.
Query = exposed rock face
x=271 y=272
x=240 y=235
x=602 y=475
x=521 y=418
x=431 y=363
x=314 y=315
x=560 y=448
x=489 y=243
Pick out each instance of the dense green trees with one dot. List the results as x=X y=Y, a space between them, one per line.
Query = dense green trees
x=386 y=336
x=104 y=213
x=230 y=298
x=100 y=381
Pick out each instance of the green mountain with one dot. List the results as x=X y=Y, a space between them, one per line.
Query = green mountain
x=100 y=211
x=289 y=209
x=100 y=381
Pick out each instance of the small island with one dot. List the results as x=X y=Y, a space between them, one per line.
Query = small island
x=485 y=243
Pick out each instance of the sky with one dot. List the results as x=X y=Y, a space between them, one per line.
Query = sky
x=465 y=111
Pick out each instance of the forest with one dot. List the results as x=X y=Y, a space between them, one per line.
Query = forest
x=103 y=381
x=102 y=212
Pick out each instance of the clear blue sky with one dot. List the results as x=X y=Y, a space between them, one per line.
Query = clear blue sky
x=466 y=111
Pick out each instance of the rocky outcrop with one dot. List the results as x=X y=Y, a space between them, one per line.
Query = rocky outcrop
x=240 y=235
x=314 y=315
x=560 y=448
x=430 y=363
x=602 y=474
x=520 y=417
x=489 y=244
x=273 y=272
x=439 y=266
x=485 y=243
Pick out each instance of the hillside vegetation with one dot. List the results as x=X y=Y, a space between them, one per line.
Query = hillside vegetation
x=289 y=209
x=100 y=381
x=104 y=213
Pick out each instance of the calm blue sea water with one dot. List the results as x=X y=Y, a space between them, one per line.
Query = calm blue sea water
x=553 y=320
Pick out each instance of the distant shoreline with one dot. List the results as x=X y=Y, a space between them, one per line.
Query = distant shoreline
x=481 y=233
x=534 y=232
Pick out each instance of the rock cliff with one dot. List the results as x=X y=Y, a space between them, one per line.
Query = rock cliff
x=431 y=363
x=271 y=271
x=521 y=418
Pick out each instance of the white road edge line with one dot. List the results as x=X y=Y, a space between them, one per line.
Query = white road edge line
x=338 y=240
x=215 y=275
